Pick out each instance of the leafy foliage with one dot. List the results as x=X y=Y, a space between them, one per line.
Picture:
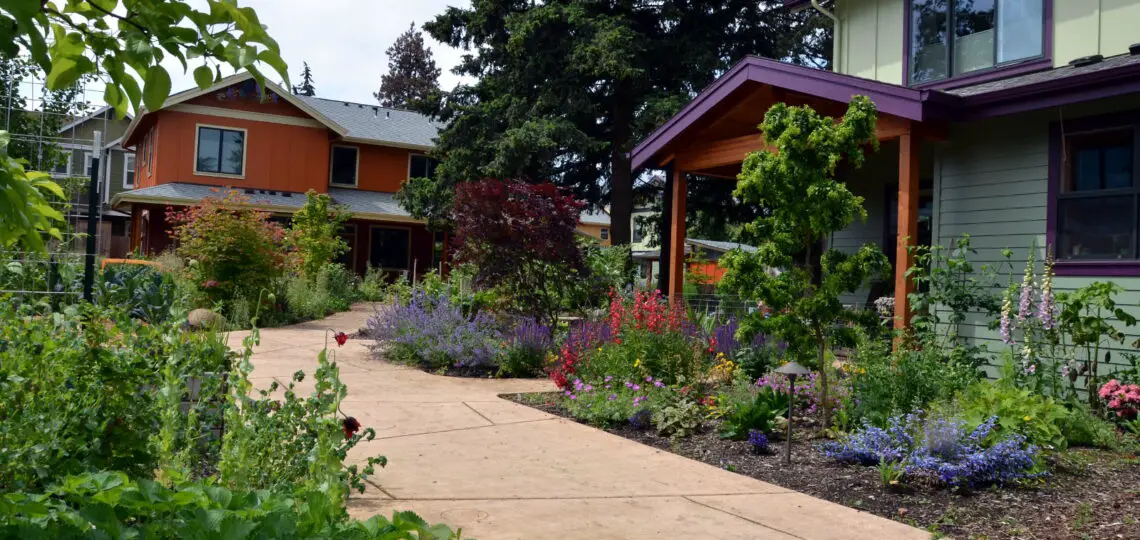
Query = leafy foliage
x=521 y=238
x=332 y=289
x=72 y=39
x=609 y=401
x=113 y=503
x=433 y=332
x=230 y=246
x=951 y=288
x=412 y=81
x=796 y=184
x=1036 y=417
x=679 y=417
x=526 y=349
x=755 y=416
x=315 y=233
x=144 y=292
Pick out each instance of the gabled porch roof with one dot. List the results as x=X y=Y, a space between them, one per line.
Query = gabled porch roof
x=743 y=94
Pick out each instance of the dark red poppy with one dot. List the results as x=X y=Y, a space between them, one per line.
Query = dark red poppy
x=351 y=426
x=341 y=338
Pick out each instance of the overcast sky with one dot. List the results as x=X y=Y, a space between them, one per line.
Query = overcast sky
x=343 y=41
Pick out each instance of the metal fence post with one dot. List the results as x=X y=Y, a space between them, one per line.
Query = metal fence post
x=92 y=218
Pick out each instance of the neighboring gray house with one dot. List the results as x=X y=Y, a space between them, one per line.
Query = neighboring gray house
x=116 y=173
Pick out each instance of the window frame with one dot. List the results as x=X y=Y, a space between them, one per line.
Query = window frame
x=604 y=233
x=1004 y=70
x=134 y=160
x=67 y=166
x=356 y=172
x=244 y=151
x=88 y=161
x=412 y=156
x=1058 y=133
x=408 y=256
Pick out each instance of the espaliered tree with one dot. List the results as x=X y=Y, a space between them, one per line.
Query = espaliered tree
x=803 y=204
x=521 y=238
x=566 y=88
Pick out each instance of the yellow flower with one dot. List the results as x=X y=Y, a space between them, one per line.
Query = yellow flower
x=1028 y=418
x=637 y=363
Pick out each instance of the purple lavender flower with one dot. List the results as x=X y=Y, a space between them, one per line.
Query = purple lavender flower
x=432 y=331
x=725 y=338
x=612 y=397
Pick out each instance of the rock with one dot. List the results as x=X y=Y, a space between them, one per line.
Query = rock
x=203 y=318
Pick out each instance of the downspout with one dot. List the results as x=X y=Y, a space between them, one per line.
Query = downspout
x=838 y=34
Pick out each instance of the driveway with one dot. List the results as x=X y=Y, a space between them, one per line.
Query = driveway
x=459 y=454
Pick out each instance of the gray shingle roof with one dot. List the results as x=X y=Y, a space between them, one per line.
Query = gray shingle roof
x=1112 y=62
x=368 y=202
x=378 y=124
x=363 y=203
x=594 y=217
x=719 y=246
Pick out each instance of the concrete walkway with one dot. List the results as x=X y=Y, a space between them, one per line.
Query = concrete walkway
x=460 y=455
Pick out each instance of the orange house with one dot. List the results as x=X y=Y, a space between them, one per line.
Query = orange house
x=273 y=147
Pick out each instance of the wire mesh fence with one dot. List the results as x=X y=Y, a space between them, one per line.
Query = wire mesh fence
x=43 y=128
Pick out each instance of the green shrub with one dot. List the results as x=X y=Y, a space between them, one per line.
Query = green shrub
x=373 y=287
x=668 y=355
x=678 y=415
x=611 y=401
x=1083 y=428
x=315 y=233
x=143 y=291
x=332 y=289
x=756 y=415
x=230 y=247
x=113 y=504
x=886 y=384
x=1033 y=415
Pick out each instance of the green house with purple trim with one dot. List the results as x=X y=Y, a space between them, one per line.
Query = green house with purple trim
x=1014 y=121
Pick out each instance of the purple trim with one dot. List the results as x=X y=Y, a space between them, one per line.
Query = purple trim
x=889 y=98
x=1005 y=71
x=1070 y=267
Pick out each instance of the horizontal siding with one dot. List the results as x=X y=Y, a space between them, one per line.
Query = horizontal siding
x=869 y=182
x=992 y=184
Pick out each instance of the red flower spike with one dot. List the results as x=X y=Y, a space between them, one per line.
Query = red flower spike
x=351 y=426
x=341 y=338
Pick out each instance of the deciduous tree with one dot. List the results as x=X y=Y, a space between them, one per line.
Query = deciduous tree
x=804 y=204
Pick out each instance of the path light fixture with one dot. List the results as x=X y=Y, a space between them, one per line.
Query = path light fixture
x=792 y=370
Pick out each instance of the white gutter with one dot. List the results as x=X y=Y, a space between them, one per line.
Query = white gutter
x=838 y=34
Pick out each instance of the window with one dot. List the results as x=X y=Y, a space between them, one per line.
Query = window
x=220 y=151
x=955 y=37
x=128 y=171
x=421 y=166
x=605 y=234
x=344 y=165
x=88 y=157
x=390 y=248
x=63 y=166
x=1096 y=207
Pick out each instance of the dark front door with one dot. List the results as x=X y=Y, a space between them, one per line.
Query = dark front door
x=390 y=248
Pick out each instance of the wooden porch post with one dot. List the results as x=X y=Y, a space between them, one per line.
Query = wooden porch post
x=676 y=255
x=907 y=224
x=136 y=227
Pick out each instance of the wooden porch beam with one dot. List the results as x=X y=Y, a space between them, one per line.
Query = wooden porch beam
x=909 y=160
x=719 y=153
x=676 y=262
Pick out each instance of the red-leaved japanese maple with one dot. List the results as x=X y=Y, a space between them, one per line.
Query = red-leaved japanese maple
x=521 y=238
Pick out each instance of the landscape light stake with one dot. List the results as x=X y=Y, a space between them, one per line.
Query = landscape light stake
x=792 y=370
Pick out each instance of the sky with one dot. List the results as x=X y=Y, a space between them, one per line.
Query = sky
x=343 y=41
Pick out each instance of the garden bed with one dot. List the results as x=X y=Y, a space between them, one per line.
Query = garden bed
x=1091 y=494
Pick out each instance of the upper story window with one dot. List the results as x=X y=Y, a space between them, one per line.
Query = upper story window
x=1096 y=215
x=605 y=234
x=220 y=151
x=128 y=171
x=949 y=38
x=343 y=169
x=421 y=166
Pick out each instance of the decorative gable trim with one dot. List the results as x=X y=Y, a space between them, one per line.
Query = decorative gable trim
x=245 y=115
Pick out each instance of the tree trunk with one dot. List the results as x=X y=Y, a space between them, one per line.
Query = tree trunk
x=621 y=177
x=825 y=403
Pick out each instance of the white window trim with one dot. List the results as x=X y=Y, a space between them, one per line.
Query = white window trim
x=244 y=151
x=107 y=175
x=88 y=159
x=134 y=163
x=355 y=174
x=408 y=258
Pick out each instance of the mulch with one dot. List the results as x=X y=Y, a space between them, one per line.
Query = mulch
x=1091 y=494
